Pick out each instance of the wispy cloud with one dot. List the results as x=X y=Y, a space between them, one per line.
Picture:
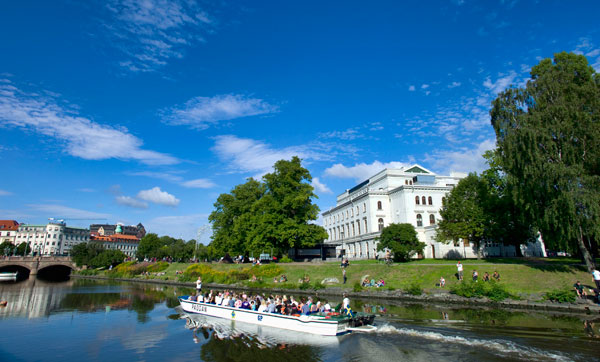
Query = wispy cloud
x=347 y=135
x=157 y=196
x=320 y=187
x=247 y=155
x=180 y=226
x=151 y=32
x=202 y=112
x=464 y=159
x=587 y=48
x=61 y=211
x=411 y=88
x=361 y=171
x=454 y=85
x=131 y=202
x=86 y=189
x=5 y=193
x=501 y=83
x=80 y=136
x=200 y=183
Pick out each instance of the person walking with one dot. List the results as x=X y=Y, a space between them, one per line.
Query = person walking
x=459 y=267
x=344 y=275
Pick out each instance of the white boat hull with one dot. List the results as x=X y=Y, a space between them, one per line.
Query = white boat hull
x=309 y=324
x=8 y=277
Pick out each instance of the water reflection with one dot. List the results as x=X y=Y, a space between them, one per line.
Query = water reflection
x=144 y=321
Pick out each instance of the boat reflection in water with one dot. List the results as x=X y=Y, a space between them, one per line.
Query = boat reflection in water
x=235 y=340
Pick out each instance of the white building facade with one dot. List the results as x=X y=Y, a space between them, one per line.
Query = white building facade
x=54 y=238
x=412 y=195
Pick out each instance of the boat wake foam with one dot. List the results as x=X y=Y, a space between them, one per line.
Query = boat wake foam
x=501 y=346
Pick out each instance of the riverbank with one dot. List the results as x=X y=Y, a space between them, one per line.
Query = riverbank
x=428 y=297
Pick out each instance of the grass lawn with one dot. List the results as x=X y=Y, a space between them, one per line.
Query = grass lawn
x=530 y=276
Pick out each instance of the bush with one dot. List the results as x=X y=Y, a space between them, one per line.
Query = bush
x=88 y=272
x=357 y=287
x=492 y=289
x=304 y=286
x=288 y=286
x=414 y=289
x=564 y=295
x=267 y=271
x=317 y=285
x=157 y=267
x=127 y=269
x=285 y=259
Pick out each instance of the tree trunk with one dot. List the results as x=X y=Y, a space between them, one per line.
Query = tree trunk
x=585 y=253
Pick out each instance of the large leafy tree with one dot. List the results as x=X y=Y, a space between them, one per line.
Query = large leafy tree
x=463 y=212
x=272 y=214
x=401 y=240
x=548 y=136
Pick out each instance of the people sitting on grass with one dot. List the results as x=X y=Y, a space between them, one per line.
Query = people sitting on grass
x=380 y=283
x=496 y=276
x=579 y=289
x=442 y=282
x=486 y=277
x=475 y=276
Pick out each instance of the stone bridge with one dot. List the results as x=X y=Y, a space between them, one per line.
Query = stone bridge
x=37 y=263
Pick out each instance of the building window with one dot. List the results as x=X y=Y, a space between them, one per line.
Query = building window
x=410 y=182
x=366 y=228
x=346 y=214
x=358 y=226
x=353 y=231
x=419 y=220
x=430 y=200
x=365 y=207
x=380 y=223
x=432 y=219
x=406 y=182
x=417 y=200
x=379 y=205
x=423 y=200
x=357 y=210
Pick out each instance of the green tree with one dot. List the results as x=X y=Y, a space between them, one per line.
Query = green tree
x=275 y=213
x=401 y=239
x=548 y=136
x=83 y=253
x=6 y=248
x=23 y=249
x=235 y=216
x=107 y=258
x=463 y=213
x=149 y=247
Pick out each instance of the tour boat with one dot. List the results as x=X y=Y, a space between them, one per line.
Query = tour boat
x=8 y=277
x=331 y=324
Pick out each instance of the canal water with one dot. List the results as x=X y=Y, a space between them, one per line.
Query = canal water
x=86 y=320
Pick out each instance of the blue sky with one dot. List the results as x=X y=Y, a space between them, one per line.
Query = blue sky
x=145 y=111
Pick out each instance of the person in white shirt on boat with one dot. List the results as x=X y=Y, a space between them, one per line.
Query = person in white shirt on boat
x=219 y=299
x=199 y=285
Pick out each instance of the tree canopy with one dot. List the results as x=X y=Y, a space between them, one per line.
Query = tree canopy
x=94 y=255
x=402 y=240
x=153 y=246
x=548 y=135
x=272 y=213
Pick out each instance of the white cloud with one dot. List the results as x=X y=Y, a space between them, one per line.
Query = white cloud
x=361 y=171
x=454 y=85
x=5 y=193
x=180 y=226
x=200 y=183
x=501 y=83
x=411 y=88
x=586 y=47
x=248 y=155
x=320 y=187
x=60 y=211
x=151 y=32
x=461 y=160
x=80 y=136
x=131 y=202
x=201 y=112
x=157 y=196
x=424 y=86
